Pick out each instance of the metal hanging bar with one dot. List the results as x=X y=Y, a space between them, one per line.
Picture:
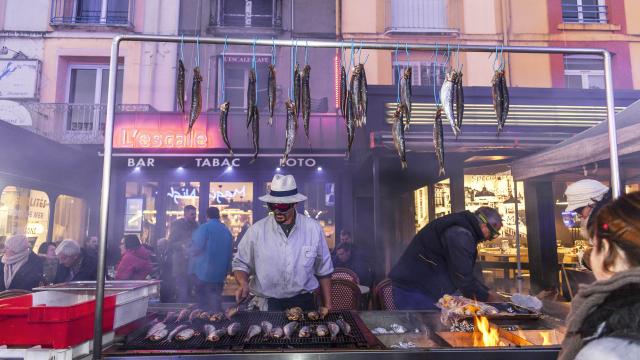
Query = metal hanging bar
x=111 y=103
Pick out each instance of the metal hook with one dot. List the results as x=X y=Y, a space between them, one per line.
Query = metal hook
x=458 y=67
x=306 y=48
x=406 y=50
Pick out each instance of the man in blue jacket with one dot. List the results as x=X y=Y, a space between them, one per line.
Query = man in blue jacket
x=211 y=250
x=441 y=259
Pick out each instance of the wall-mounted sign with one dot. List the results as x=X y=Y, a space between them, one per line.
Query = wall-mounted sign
x=217 y=162
x=14 y=113
x=159 y=139
x=217 y=195
x=246 y=59
x=19 y=79
x=141 y=162
x=299 y=162
x=185 y=192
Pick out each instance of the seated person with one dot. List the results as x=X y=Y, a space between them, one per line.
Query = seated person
x=75 y=264
x=345 y=258
x=136 y=260
x=22 y=269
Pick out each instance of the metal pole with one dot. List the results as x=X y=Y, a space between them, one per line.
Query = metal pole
x=104 y=198
x=108 y=146
x=518 y=259
x=611 y=123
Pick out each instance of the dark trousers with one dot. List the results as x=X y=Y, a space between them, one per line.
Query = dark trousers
x=209 y=295
x=305 y=301
x=411 y=299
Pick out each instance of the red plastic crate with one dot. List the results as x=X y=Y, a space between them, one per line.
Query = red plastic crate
x=51 y=319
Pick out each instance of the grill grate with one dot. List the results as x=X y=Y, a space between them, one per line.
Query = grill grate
x=246 y=319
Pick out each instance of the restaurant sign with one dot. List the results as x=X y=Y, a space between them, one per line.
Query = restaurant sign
x=216 y=162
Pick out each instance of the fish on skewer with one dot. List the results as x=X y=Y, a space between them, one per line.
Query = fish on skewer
x=253 y=331
x=196 y=98
x=343 y=92
x=290 y=130
x=438 y=140
x=334 y=330
x=180 y=84
x=267 y=328
x=186 y=334
x=397 y=132
x=271 y=92
x=175 y=332
x=224 y=114
x=289 y=329
x=183 y=315
x=322 y=330
x=459 y=100
x=447 y=92
x=233 y=329
x=406 y=94
x=305 y=97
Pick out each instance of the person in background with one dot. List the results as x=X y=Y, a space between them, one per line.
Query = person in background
x=211 y=249
x=22 y=269
x=47 y=251
x=135 y=263
x=344 y=258
x=441 y=259
x=286 y=254
x=604 y=322
x=91 y=245
x=75 y=264
x=180 y=233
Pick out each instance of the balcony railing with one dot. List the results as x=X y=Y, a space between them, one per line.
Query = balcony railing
x=419 y=16
x=92 y=12
x=246 y=16
x=589 y=14
x=74 y=123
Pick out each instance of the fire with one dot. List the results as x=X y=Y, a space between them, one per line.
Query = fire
x=545 y=338
x=484 y=334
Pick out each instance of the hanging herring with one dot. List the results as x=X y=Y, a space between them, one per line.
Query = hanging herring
x=306 y=99
x=458 y=100
x=350 y=122
x=271 y=85
x=180 y=85
x=297 y=93
x=253 y=116
x=362 y=96
x=290 y=130
x=224 y=114
x=196 y=99
x=343 y=92
x=397 y=131
x=251 y=95
x=354 y=86
x=500 y=96
x=447 y=94
x=438 y=140
x=405 y=95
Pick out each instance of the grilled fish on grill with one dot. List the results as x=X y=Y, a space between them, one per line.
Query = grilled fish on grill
x=253 y=331
x=289 y=329
x=344 y=326
x=277 y=333
x=196 y=98
x=267 y=327
x=322 y=330
x=313 y=315
x=233 y=329
x=295 y=314
x=156 y=328
x=323 y=311
x=205 y=315
x=175 y=332
x=186 y=334
x=183 y=315
x=271 y=92
x=334 y=329
x=180 y=85
x=216 y=335
x=304 y=332
x=158 y=334
x=194 y=314
x=216 y=317
x=171 y=316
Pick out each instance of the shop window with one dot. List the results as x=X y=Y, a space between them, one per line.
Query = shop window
x=423 y=73
x=69 y=218
x=140 y=210
x=258 y=13
x=24 y=211
x=584 y=71
x=421 y=200
x=236 y=79
x=442 y=194
x=93 y=12
x=179 y=195
x=235 y=201
x=584 y=11
x=87 y=98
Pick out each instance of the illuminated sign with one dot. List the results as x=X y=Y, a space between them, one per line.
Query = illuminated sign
x=227 y=194
x=182 y=193
x=217 y=162
x=141 y=162
x=292 y=162
x=160 y=139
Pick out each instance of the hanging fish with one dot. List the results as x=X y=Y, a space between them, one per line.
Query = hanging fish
x=364 y=102
x=505 y=100
x=459 y=100
x=196 y=99
x=290 y=130
x=251 y=95
x=446 y=96
x=297 y=91
x=406 y=95
x=438 y=140
x=306 y=99
x=271 y=92
x=397 y=131
x=180 y=85
x=255 y=130
x=354 y=87
x=350 y=123
x=343 y=92
x=500 y=97
x=224 y=114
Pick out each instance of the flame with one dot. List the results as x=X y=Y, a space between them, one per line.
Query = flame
x=545 y=338
x=484 y=334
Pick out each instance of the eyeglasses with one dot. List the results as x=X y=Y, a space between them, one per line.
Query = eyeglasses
x=280 y=207
x=493 y=232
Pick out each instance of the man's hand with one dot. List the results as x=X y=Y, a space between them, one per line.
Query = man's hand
x=243 y=285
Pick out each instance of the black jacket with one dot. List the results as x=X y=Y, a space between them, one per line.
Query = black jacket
x=441 y=258
x=28 y=276
x=620 y=313
x=87 y=271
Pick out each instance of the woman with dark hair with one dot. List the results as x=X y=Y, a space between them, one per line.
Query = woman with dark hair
x=47 y=252
x=136 y=260
x=604 y=322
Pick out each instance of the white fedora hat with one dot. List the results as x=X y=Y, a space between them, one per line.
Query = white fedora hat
x=283 y=191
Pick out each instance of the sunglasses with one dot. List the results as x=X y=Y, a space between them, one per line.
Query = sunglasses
x=280 y=207
x=492 y=230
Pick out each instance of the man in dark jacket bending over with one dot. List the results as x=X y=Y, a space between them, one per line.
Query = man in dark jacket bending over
x=441 y=259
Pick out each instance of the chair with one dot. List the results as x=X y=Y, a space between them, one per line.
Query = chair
x=383 y=295
x=345 y=295
x=345 y=274
x=572 y=278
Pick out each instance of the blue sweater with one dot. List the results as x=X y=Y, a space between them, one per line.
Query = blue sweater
x=211 y=250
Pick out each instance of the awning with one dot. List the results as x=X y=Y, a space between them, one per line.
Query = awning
x=589 y=146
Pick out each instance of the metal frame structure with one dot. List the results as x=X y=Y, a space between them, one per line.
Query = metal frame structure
x=111 y=104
